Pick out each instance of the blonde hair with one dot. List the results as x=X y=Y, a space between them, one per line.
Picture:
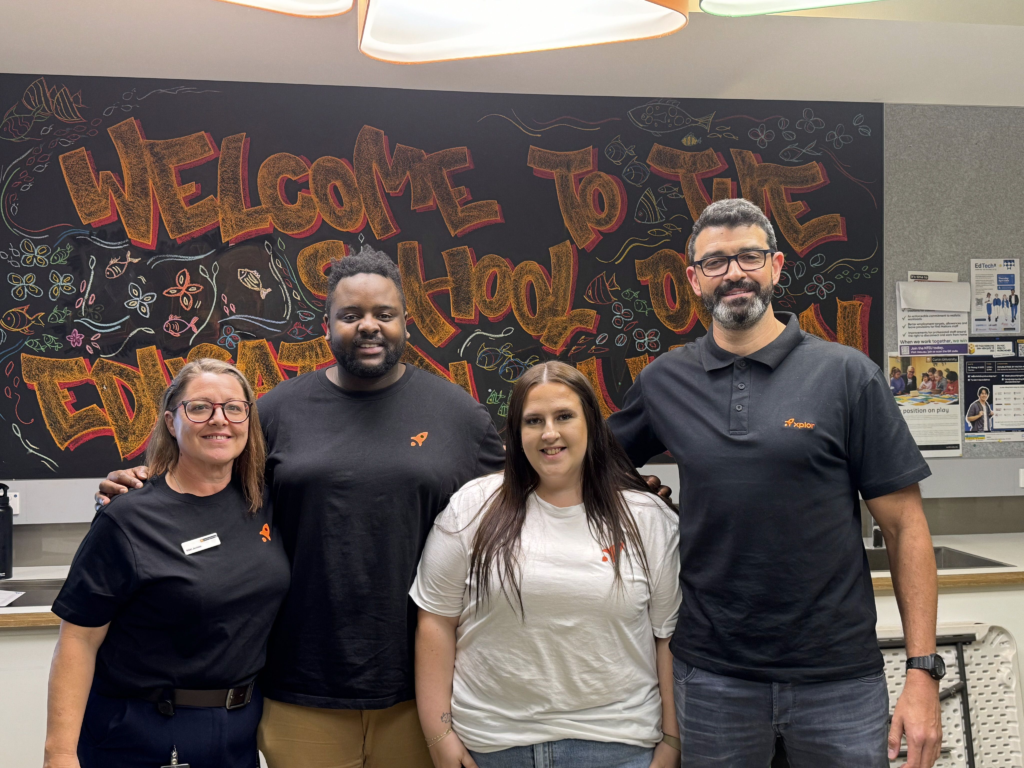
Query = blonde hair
x=162 y=452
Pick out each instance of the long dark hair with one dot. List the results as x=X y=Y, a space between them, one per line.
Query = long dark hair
x=607 y=472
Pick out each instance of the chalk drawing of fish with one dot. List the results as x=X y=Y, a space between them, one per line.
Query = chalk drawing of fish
x=18 y=320
x=660 y=116
x=177 y=326
x=657 y=232
x=298 y=331
x=794 y=152
x=689 y=140
x=599 y=291
x=636 y=173
x=630 y=294
x=649 y=209
x=117 y=265
x=38 y=104
x=250 y=278
x=617 y=152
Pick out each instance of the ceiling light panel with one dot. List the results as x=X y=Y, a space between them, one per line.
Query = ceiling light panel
x=758 y=7
x=311 y=8
x=420 y=31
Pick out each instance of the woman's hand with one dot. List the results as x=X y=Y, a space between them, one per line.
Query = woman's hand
x=62 y=760
x=664 y=757
x=450 y=752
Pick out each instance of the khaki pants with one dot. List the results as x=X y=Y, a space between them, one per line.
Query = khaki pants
x=291 y=736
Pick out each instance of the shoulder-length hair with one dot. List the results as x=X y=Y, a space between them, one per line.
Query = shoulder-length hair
x=162 y=452
x=607 y=472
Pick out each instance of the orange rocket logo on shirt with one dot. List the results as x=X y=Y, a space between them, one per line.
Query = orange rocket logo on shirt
x=610 y=553
x=265 y=533
x=417 y=440
x=798 y=424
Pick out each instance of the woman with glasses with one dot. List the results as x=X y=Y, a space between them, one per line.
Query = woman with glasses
x=548 y=594
x=170 y=599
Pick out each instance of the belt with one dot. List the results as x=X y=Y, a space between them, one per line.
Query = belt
x=228 y=698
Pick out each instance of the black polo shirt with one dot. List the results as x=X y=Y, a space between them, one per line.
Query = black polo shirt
x=772 y=451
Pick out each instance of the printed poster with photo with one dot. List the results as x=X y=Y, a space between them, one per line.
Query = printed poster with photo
x=994 y=399
x=927 y=391
x=995 y=297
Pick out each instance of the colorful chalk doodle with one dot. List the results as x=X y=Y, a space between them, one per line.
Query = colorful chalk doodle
x=144 y=223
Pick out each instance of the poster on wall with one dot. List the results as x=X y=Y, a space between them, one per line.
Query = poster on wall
x=144 y=223
x=995 y=297
x=927 y=391
x=994 y=400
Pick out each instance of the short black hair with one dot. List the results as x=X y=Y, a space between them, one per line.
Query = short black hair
x=951 y=376
x=369 y=261
x=731 y=213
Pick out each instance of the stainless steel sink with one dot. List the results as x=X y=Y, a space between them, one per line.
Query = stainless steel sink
x=946 y=558
x=41 y=592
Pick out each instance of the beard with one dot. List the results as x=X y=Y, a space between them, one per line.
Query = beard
x=346 y=357
x=735 y=314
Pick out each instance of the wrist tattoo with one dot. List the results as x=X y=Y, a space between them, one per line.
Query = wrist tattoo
x=446 y=717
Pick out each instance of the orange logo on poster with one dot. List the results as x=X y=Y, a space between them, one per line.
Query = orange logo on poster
x=798 y=424
x=417 y=440
x=265 y=533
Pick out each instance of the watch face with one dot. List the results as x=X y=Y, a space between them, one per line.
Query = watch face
x=940 y=668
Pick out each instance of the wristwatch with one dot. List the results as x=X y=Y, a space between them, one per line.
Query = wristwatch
x=933 y=665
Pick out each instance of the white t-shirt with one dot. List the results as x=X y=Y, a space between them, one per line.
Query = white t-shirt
x=582 y=664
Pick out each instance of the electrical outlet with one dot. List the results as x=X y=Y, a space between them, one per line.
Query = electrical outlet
x=15 y=498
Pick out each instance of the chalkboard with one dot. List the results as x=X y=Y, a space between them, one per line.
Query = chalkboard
x=144 y=223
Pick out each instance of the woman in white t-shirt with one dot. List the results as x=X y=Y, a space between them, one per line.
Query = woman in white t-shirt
x=548 y=594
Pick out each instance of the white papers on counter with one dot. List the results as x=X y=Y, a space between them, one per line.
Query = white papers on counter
x=7 y=597
x=995 y=296
x=994 y=399
x=927 y=391
x=932 y=318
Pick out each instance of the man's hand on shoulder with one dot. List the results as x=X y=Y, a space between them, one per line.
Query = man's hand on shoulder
x=654 y=483
x=918 y=715
x=118 y=482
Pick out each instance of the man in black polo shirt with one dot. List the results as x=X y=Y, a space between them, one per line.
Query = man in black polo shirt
x=775 y=432
x=361 y=457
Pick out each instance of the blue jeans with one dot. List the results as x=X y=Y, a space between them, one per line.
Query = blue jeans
x=731 y=723
x=567 y=753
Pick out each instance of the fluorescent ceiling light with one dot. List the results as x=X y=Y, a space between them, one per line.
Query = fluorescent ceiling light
x=311 y=8
x=419 y=31
x=757 y=7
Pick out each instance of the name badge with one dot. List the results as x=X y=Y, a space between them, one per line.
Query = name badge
x=203 y=542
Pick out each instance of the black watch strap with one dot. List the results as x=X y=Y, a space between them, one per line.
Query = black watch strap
x=933 y=665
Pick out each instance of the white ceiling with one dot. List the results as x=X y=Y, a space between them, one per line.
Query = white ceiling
x=779 y=57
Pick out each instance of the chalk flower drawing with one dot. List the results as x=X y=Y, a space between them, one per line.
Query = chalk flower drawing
x=139 y=301
x=761 y=135
x=839 y=137
x=60 y=284
x=23 y=286
x=810 y=123
x=75 y=338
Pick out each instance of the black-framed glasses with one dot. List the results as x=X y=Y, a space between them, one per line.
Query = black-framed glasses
x=201 y=411
x=749 y=261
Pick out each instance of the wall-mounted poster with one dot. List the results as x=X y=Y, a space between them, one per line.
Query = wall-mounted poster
x=927 y=391
x=144 y=223
x=994 y=399
x=995 y=296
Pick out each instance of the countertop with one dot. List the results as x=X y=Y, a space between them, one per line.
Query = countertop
x=1004 y=547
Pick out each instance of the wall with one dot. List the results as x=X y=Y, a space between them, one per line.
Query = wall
x=953 y=173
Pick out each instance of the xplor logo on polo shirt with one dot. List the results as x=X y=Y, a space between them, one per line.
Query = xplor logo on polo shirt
x=798 y=424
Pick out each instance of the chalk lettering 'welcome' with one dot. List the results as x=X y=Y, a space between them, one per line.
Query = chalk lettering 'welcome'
x=345 y=195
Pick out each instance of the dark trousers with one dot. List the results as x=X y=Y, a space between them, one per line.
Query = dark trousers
x=127 y=733
x=725 y=722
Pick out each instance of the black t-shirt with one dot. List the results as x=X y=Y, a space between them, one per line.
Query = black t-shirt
x=772 y=452
x=198 y=621
x=357 y=479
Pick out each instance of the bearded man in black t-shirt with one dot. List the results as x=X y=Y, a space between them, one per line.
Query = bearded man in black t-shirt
x=361 y=457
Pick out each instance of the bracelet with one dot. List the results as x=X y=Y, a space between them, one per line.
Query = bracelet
x=433 y=741
x=672 y=741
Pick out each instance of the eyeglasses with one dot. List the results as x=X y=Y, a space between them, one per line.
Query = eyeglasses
x=201 y=411
x=749 y=261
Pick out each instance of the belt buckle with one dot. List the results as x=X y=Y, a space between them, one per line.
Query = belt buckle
x=238 y=697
